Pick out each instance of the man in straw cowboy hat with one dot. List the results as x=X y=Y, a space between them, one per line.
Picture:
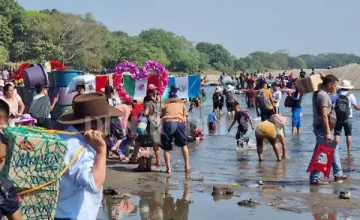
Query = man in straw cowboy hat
x=344 y=102
x=174 y=117
x=81 y=186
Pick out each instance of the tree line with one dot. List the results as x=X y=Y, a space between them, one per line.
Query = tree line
x=83 y=42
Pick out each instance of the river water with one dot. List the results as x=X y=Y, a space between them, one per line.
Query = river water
x=218 y=160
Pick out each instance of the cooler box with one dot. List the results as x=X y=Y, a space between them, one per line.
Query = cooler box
x=35 y=75
x=63 y=78
x=26 y=94
x=309 y=84
x=64 y=98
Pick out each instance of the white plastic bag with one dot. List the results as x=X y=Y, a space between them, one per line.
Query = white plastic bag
x=80 y=80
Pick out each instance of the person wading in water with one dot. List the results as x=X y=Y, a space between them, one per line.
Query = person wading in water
x=323 y=125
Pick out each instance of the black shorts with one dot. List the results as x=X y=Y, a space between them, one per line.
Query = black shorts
x=212 y=126
x=347 y=124
x=218 y=106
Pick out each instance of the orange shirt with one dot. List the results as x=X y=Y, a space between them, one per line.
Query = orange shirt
x=175 y=111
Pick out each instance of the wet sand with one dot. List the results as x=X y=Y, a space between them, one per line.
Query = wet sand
x=285 y=194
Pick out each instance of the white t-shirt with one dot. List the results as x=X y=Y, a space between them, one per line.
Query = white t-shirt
x=114 y=101
x=5 y=74
x=351 y=98
x=277 y=96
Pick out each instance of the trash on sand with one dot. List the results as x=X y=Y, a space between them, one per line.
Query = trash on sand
x=222 y=191
x=250 y=203
x=344 y=195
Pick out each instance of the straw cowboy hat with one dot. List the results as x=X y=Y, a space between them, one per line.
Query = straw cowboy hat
x=89 y=107
x=345 y=84
x=173 y=100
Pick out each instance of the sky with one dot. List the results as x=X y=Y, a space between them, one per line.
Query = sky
x=241 y=26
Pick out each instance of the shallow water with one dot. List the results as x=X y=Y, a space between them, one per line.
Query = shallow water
x=218 y=160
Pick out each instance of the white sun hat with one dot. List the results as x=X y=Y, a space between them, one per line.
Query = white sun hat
x=345 y=84
x=230 y=88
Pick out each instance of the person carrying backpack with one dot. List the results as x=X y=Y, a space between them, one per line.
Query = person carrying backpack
x=243 y=118
x=264 y=102
x=218 y=100
x=343 y=102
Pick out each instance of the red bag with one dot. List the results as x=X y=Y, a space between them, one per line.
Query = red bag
x=322 y=147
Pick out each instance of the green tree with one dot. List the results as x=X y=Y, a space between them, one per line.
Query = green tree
x=281 y=59
x=181 y=53
x=11 y=22
x=240 y=65
x=204 y=62
x=82 y=39
x=296 y=63
x=219 y=57
x=4 y=55
x=49 y=11
x=6 y=34
x=38 y=45
x=113 y=54
x=136 y=50
x=120 y=34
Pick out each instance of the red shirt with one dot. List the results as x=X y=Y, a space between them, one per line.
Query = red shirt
x=136 y=112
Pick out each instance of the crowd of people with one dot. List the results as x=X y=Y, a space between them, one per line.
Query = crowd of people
x=160 y=125
x=333 y=105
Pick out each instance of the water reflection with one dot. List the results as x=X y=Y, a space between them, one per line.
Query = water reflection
x=152 y=205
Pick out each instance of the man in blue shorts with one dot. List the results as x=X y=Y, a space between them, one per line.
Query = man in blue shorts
x=174 y=129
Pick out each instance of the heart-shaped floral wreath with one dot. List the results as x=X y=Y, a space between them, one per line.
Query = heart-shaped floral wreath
x=136 y=74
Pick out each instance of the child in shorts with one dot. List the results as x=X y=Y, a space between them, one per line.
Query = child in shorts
x=243 y=118
x=211 y=121
x=9 y=201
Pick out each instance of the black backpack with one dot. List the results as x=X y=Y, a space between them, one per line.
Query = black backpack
x=342 y=107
